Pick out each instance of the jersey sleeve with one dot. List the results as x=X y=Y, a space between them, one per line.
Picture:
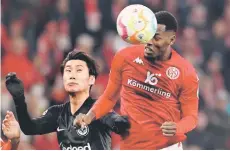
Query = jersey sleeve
x=111 y=94
x=189 y=102
x=47 y=123
x=116 y=68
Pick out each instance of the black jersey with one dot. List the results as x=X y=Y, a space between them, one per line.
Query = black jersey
x=59 y=119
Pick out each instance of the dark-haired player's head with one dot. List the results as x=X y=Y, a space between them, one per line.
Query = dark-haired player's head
x=164 y=37
x=79 y=72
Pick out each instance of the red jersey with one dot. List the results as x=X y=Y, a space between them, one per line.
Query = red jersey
x=5 y=145
x=151 y=94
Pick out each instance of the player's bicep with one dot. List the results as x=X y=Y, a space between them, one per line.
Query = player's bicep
x=189 y=96
x=112 y=91
x=113 y=88
x=116 y=69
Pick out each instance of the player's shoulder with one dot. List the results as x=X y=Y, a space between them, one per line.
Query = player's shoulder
x=184 y=64
x=56 y=108
x=132 y=51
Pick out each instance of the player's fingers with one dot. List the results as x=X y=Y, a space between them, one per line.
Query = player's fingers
x=168 y=134
x=7 y=124
x=3 y=127
x=83 y=124
x=5 y=121
x=7 y=116
x=11 y=115
x=168 y=131
x=168 y=123
x=168 y=127
x=78 y=120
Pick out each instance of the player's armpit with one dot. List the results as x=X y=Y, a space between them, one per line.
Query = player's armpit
x=189 y=100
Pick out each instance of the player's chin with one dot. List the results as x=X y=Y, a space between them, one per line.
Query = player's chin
x=72 y=89
x=150 y=55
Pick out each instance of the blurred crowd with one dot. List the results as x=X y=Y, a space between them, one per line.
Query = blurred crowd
x=37 y=34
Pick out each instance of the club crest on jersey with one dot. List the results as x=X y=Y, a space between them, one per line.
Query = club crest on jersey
x=83 y=131
x=172 y=73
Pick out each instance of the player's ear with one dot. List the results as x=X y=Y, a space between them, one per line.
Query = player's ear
x=92 y=80
x=172 y=39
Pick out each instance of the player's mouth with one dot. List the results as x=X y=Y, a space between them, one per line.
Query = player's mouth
x=149 y=51
x=72 y=83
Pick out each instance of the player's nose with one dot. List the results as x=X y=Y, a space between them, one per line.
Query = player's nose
x=72 y=78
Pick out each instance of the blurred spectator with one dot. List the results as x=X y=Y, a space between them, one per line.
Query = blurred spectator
x=190 y=46
x=46 y=140
x=17 y=61
x=200 y=138
x=85 y=43
x=49 y=57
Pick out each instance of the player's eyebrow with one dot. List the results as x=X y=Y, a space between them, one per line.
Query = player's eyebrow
x=157 y=34
x=79 y=65
x=68 y=66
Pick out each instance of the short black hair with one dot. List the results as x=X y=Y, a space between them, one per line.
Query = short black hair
x=78 y=55
x=167 y=19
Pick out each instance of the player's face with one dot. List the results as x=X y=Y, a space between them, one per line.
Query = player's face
x=76 y=77
x=160 y=42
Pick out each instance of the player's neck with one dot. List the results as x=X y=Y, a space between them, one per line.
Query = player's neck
x=77 y=100
x=167 y=55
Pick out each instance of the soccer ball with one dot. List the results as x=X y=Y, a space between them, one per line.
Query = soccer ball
x=136 y=24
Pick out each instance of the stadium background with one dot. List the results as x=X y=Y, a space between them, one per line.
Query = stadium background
x=37 y=34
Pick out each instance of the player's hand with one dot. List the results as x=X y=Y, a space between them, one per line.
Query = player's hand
x=83 y=119
x=10 y=127
x=169 y=128
x=14 y=85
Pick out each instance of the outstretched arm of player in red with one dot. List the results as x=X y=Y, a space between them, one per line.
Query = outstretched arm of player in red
x=107 y=101
x=112 y=92
x=189 y=103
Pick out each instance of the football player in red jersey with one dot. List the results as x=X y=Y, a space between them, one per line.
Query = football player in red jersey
x=158 y=90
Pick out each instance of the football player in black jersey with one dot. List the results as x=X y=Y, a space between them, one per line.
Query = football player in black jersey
x=79 y=75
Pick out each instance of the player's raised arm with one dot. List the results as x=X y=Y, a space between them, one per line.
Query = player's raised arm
x=112 y=92
x=44 y=124
x=110 y=96
x=189 y=100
